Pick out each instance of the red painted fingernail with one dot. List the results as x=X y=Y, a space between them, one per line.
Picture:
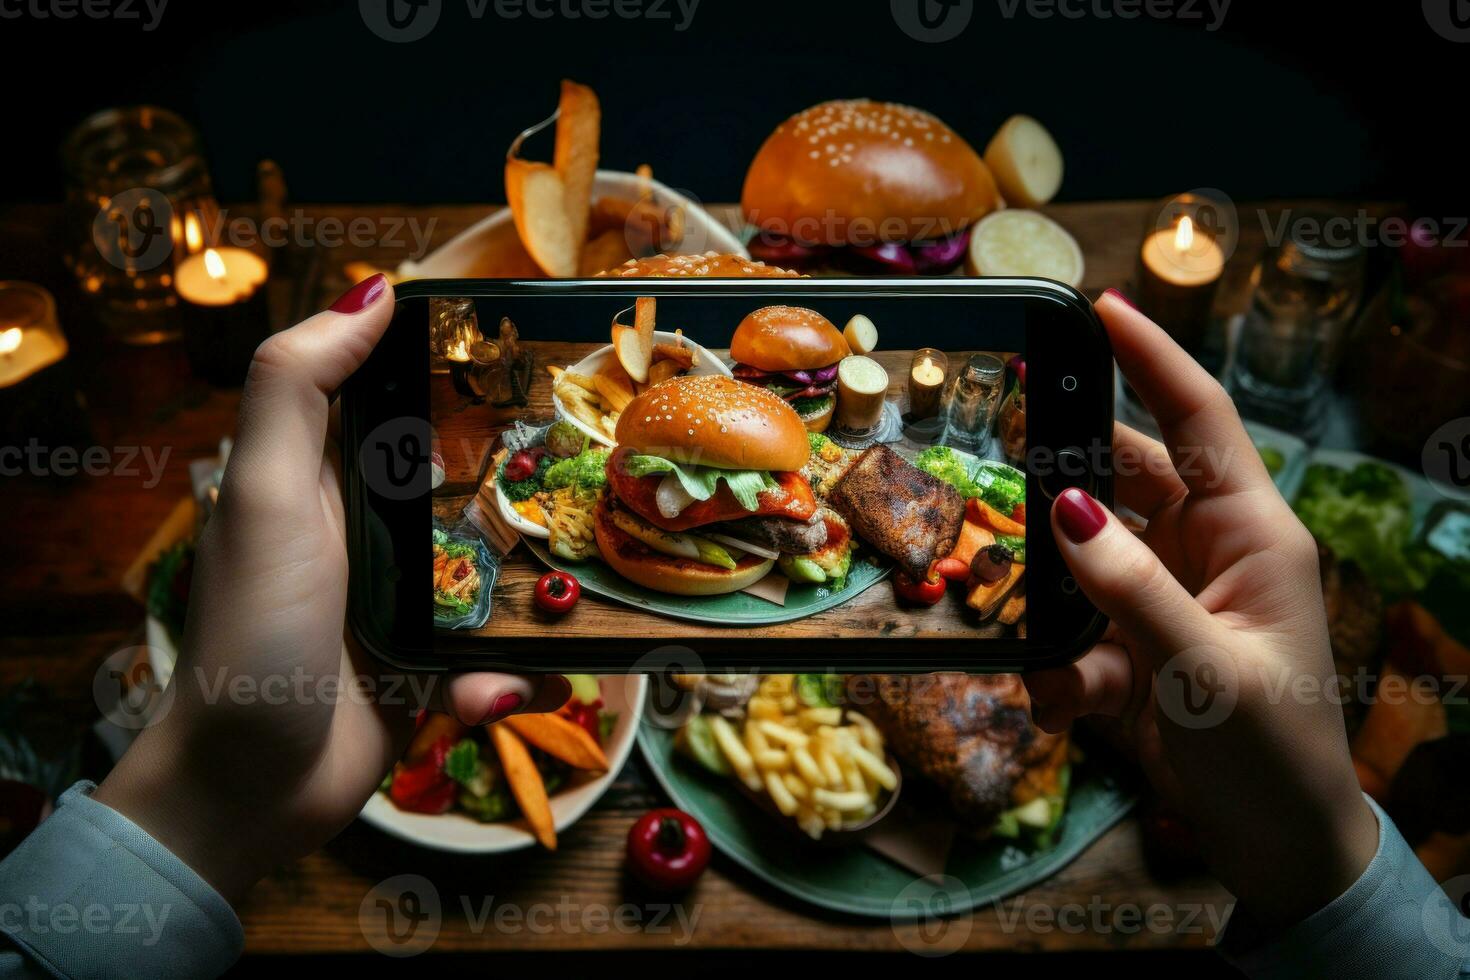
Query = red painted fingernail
x=506 y=704
x=1119 y=295
x=1079 y=515
x=361 y=296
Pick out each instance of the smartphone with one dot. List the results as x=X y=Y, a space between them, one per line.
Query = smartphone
x=716 y=475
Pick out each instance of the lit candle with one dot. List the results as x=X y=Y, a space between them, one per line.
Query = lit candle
x=38 y=396
x=224 y=309
x=1179 y=268
x=926 y=383
x=30 y=338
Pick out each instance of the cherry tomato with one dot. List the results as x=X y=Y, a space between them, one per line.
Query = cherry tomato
x=667 y=849
x=557 y=592
x=925 y=593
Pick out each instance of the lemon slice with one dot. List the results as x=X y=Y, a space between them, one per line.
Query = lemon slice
x=1016 y=242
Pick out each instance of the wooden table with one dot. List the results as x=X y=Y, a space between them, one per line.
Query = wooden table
x=62 y=611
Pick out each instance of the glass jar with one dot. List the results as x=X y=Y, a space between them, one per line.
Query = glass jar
x=973 y=404
x=131 y=174
x=453 y=329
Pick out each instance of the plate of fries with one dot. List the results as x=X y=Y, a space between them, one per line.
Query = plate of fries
x=821 y=767
x=593 y=392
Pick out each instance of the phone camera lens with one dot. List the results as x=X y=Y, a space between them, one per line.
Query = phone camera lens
x=1069 y=383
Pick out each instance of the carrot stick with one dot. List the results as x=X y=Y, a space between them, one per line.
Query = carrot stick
x=562 y=738
x=526 y=784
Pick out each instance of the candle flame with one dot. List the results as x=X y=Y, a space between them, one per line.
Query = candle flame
x=1184 y=236
x=9 y=340
x=927 y=365
x=213 y=264
x=192 y=236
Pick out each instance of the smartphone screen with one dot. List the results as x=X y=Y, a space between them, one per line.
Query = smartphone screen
x=768 y=474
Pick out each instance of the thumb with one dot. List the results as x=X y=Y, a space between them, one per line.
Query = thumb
x=1126 y=581
x=285 y=405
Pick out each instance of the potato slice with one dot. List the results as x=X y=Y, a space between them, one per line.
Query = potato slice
x=633 y=353
x=537 y=199
x=861 y=335
x=578 y=133
x=1016 y=242
x=1025 y=161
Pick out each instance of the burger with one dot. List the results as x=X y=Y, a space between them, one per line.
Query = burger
x=793 y=353
x=710 y=265
x=704 y=493
x=866 y=187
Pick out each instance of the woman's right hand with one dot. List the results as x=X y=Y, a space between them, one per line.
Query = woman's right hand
x=1217 y=659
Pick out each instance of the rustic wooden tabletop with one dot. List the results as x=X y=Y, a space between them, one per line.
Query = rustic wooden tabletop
x=63 y=610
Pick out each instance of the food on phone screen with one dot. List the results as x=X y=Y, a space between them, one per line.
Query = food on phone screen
x=899 y=509
x=456 y=578
x=557 y=592
x=667 y=849
x=702 y=455
x=1025 y=161
x=709 y=265
x=866 y=187
x=794 y=353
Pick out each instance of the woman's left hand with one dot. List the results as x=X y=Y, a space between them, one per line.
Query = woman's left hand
x=279 y=728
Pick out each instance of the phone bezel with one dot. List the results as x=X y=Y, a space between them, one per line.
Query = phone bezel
x=393 y=384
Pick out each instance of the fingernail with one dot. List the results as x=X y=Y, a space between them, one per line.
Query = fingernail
x=361 y=296
x=506 y=704
x=1079 y=515
x=1119 y=295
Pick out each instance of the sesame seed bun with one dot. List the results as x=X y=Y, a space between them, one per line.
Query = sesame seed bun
x=712 y=420
x=709 y=265
x=857 y=172
x=787 y=338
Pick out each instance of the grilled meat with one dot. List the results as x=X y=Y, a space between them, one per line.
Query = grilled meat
x=1354 y=624
x=970 y=735
x=899 y=509
x=790 y=537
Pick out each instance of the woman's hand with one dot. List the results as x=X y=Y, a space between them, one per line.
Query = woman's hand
x=280 y=728
x=1217 y=617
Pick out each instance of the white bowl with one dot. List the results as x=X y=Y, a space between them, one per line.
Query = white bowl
x=623 y=694
x=705 y=363
x=456 y=258
x=508 y=512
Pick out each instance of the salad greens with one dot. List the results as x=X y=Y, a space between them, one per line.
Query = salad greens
x=999 y=486
x=585 y=471
x=805 y=405
x=517 y=490
x=1365 y=515
x=701 y=482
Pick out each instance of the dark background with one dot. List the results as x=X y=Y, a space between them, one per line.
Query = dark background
x=1283 y=100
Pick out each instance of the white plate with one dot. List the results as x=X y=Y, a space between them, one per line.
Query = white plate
x=705 y=363
x=529 y=528
x=458 y=257
x=623 y=694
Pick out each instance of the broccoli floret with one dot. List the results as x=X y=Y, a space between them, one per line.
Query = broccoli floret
x=942 y=463
x=584 y=471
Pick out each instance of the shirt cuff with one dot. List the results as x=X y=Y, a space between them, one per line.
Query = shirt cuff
x=88 y=893
x=1394 y=921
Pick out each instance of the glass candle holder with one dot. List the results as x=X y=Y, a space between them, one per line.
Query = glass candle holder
x=453 y=328
x=1185 y=245
x=928 y=372
x=131 y=175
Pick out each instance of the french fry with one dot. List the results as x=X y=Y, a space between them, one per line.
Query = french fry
x=683 y=356
x=560 y=738
x=875 y=767
x=661 y=371
x=735 y=753
x=537 y=199
x=584 y=381
x=807 y=767
x=614 y=392
x=525 y=782
x=555 y=372
x=604 y=251
x=578 y=135
x=852 y=800
x=780 y=795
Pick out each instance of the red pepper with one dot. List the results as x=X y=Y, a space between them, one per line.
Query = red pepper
x=925 y=593
x=424 y=787
x=584 y=714
x=950 y=569
x=667 y=849
x=557 y=592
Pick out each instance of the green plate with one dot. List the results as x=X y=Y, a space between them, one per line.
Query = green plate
x=859 y=881
x=735 y=609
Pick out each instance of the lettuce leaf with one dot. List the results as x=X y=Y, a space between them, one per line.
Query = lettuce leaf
x=701 y=482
